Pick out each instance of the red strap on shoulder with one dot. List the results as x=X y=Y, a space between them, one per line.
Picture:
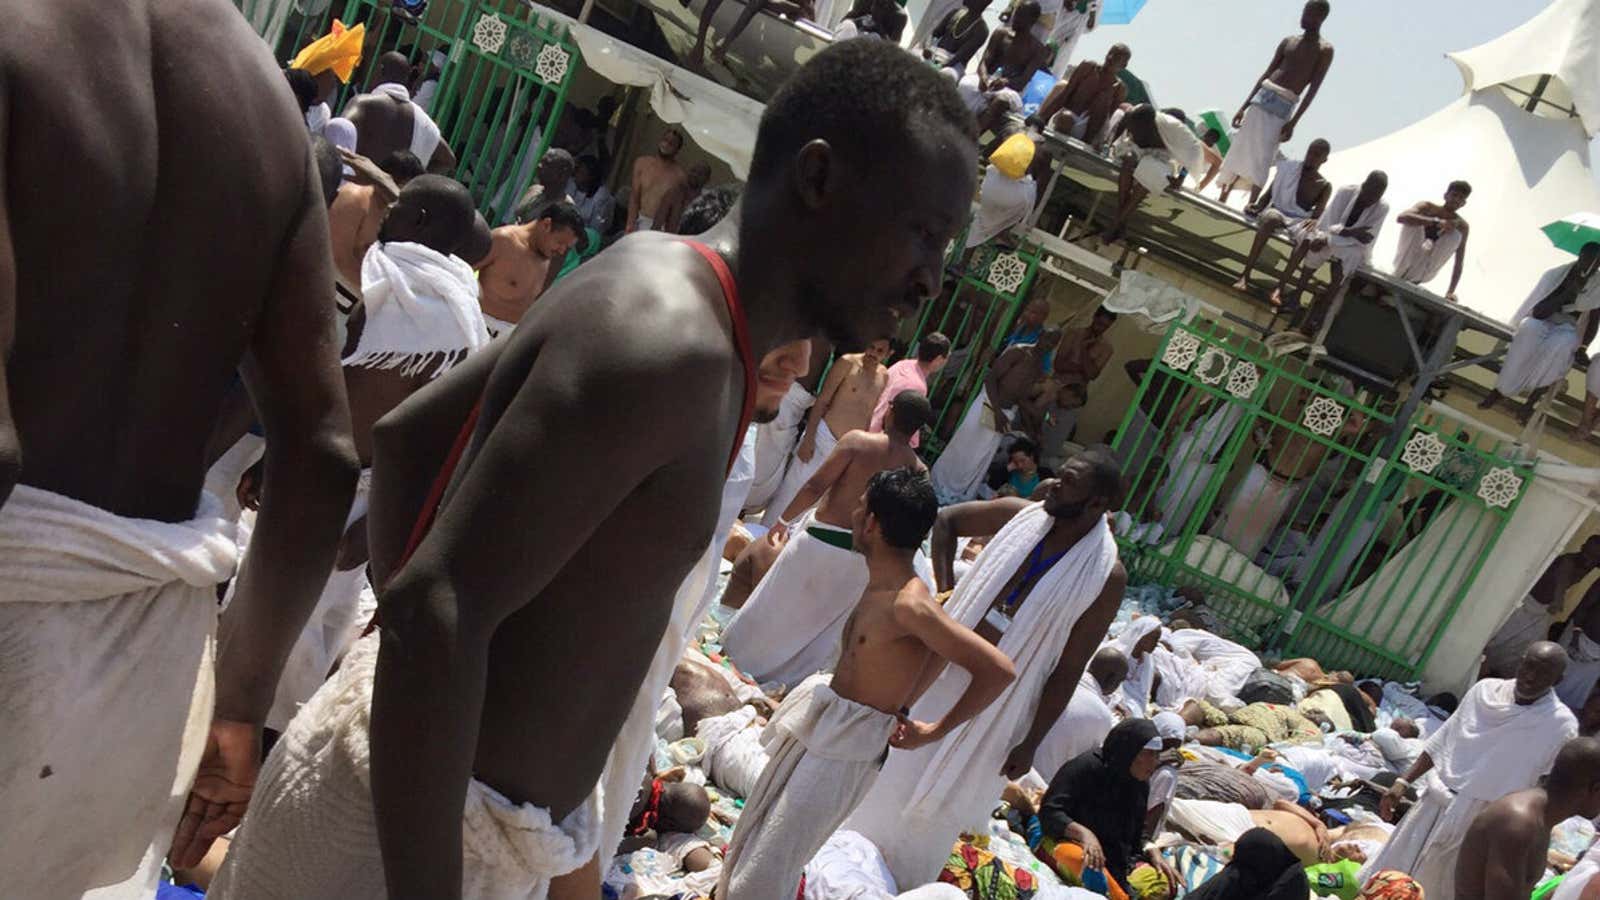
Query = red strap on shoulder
x=741 y=341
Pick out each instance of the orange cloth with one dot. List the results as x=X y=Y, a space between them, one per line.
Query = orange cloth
x=339 y=50
x=1067 y=858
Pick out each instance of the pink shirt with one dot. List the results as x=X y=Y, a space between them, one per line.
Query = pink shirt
x=904 y=375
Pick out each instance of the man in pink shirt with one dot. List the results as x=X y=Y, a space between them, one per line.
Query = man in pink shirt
x=912 y=375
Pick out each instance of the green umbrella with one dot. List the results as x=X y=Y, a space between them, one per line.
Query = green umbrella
x=1212 y=119
x=1572 y=232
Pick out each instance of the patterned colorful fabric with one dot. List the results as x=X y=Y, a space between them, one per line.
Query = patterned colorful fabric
x=1391 y=885
x=1067 y=860
x=984 y=877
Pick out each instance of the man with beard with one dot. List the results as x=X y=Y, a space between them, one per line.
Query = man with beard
x=1044 y=591
x=517 y=268
x=503 y=561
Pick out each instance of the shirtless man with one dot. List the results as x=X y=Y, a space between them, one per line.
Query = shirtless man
x=550 y=179
x=1533 y=619
x=496 y=606
x=654 y=179
x=514 y=273
x=848 y=396
x=1278 y=210
x=386 y=121
x=114 y=375
x=672 y=206
x=959 y=472
x=1008 y=63
x=1081 y=105
x=1275 y=104
x=790 y=625
x=1428 y=232
x=354 y=218
x=1504 y=851
x=1084 y=352
x=897 y=640
x=1144 y=160
x=957 y=38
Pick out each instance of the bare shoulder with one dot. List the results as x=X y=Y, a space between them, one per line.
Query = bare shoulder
x=914 y=600
x=1116 y=582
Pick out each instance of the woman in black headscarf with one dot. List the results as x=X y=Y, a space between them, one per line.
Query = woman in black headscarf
x=1093 y=813
x=1263 y=868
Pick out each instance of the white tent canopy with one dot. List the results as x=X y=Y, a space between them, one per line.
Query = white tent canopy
x=1526 y=169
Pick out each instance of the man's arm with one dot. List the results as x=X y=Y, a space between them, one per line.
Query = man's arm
x=292 y=372
x=1009 y=359
x=1461 y=262
x=957 y=645
x=441 y=610
x=1277 y=57
x=819 y=410
x=1397 y=791
x=972 y=519
x=817 y=485
x=443 y=159
x=1086 y=636
x=1324 y=60
x=1414 y=216
x=990 y=57
x=635 y=190
x=1321 y=206
x=1265 y=200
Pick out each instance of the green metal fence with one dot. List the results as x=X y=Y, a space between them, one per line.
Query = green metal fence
x=1276 y=489
x=976 y=314
x=499 y=94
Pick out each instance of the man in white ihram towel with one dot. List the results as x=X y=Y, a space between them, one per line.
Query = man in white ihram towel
x=1501 y=739
x=1044 y=590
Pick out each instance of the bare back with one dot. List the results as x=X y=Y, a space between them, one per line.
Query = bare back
x=869 y=454
x=162 y=139
x=880 y=662
x=851 y=406
x=1504 y=848
x=354 y=220
x=384 y=125
x=1299 y=62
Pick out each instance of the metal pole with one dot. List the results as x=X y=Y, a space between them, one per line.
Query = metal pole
x=1342 y=528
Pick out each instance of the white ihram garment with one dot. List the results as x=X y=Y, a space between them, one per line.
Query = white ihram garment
x=960 y=469
x=1258 y=503
x=425 y=135
x=422 y=312
x=1227 y=665
x=106 y=641
x=1541 y=350
x=1003 y=202
x=925 y=797
x=1571 y=887
x=1491 y=747
x=1134 y=695
x=799 y=472
x=1583 y=667
x=825 y=751
x=1350 y=253
x=734 y=756
x=775 y=442
x=1419 y=259
x=311 y=833
x=1083 y=726
x=1286 y=192
x=1254 y=145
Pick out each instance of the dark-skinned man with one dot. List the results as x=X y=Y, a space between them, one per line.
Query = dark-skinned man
x=959 y=472
x=1044 y=591
x=493 y=610
x=387 y=120
x=120 y=343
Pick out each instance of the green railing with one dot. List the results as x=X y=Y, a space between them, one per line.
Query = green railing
x=976 y=315
x=500 y=92
x=1245 y=471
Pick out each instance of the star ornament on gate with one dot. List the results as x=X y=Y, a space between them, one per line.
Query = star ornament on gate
x=1499 y=486
x=1323 y=416
x=489 y=33
x=1181 y=351
x=1242 y=381
x=1423 y=452
x=552 y=64
x=1006 y=273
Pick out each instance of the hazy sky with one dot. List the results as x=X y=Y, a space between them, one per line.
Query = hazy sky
x=1389 y=68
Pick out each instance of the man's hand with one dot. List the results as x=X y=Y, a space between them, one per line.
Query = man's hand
x=1364 y=235
x=1167 y=871
x=221 y=790
x=1287 y=134
x=911 y=734
x=1451 y=296
x=1238 y=118
x=807 y=448
x=1020 y=761
x=1391 y=799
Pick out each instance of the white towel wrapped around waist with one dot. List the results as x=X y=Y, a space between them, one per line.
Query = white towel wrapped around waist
x=311 y=832
x=1254 y=145
x=422 y=313
x=106 y=640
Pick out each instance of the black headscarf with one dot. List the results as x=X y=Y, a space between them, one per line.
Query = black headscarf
x=1098 y=791
x=1262 y=869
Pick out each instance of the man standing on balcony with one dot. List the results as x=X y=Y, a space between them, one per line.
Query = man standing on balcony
x=1275 y=105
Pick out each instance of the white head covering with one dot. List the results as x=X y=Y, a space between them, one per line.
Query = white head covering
x=341 y=132
x=1170 y=726
x=1141 y=672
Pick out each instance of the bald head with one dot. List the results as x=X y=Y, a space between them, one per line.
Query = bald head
x=684 y=808
x=432 y=210
x=477 y=242
x=394 y=68
x=1575 y=775
x=1110 y=668
x=1542 y=666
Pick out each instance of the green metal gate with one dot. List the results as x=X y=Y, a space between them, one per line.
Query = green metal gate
x=500 y=91
x=1315 y=521
x=976 y=317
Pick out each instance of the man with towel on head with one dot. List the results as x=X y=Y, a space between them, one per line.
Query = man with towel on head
x=426 y=757
x=789 y=628
x=120 y=343
x=1293 y=202
x=1501 y=739
x=1008 y=192
x=1343 y=238
x=330 y=60
x=1556 y=322
x=960 y=470
x=418 y=318
x=1430 y=234
x=387 y=120
x=1269 y=115
x=829 y=738
x=844 y=404
x=1044 y=590
x=517 y=268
